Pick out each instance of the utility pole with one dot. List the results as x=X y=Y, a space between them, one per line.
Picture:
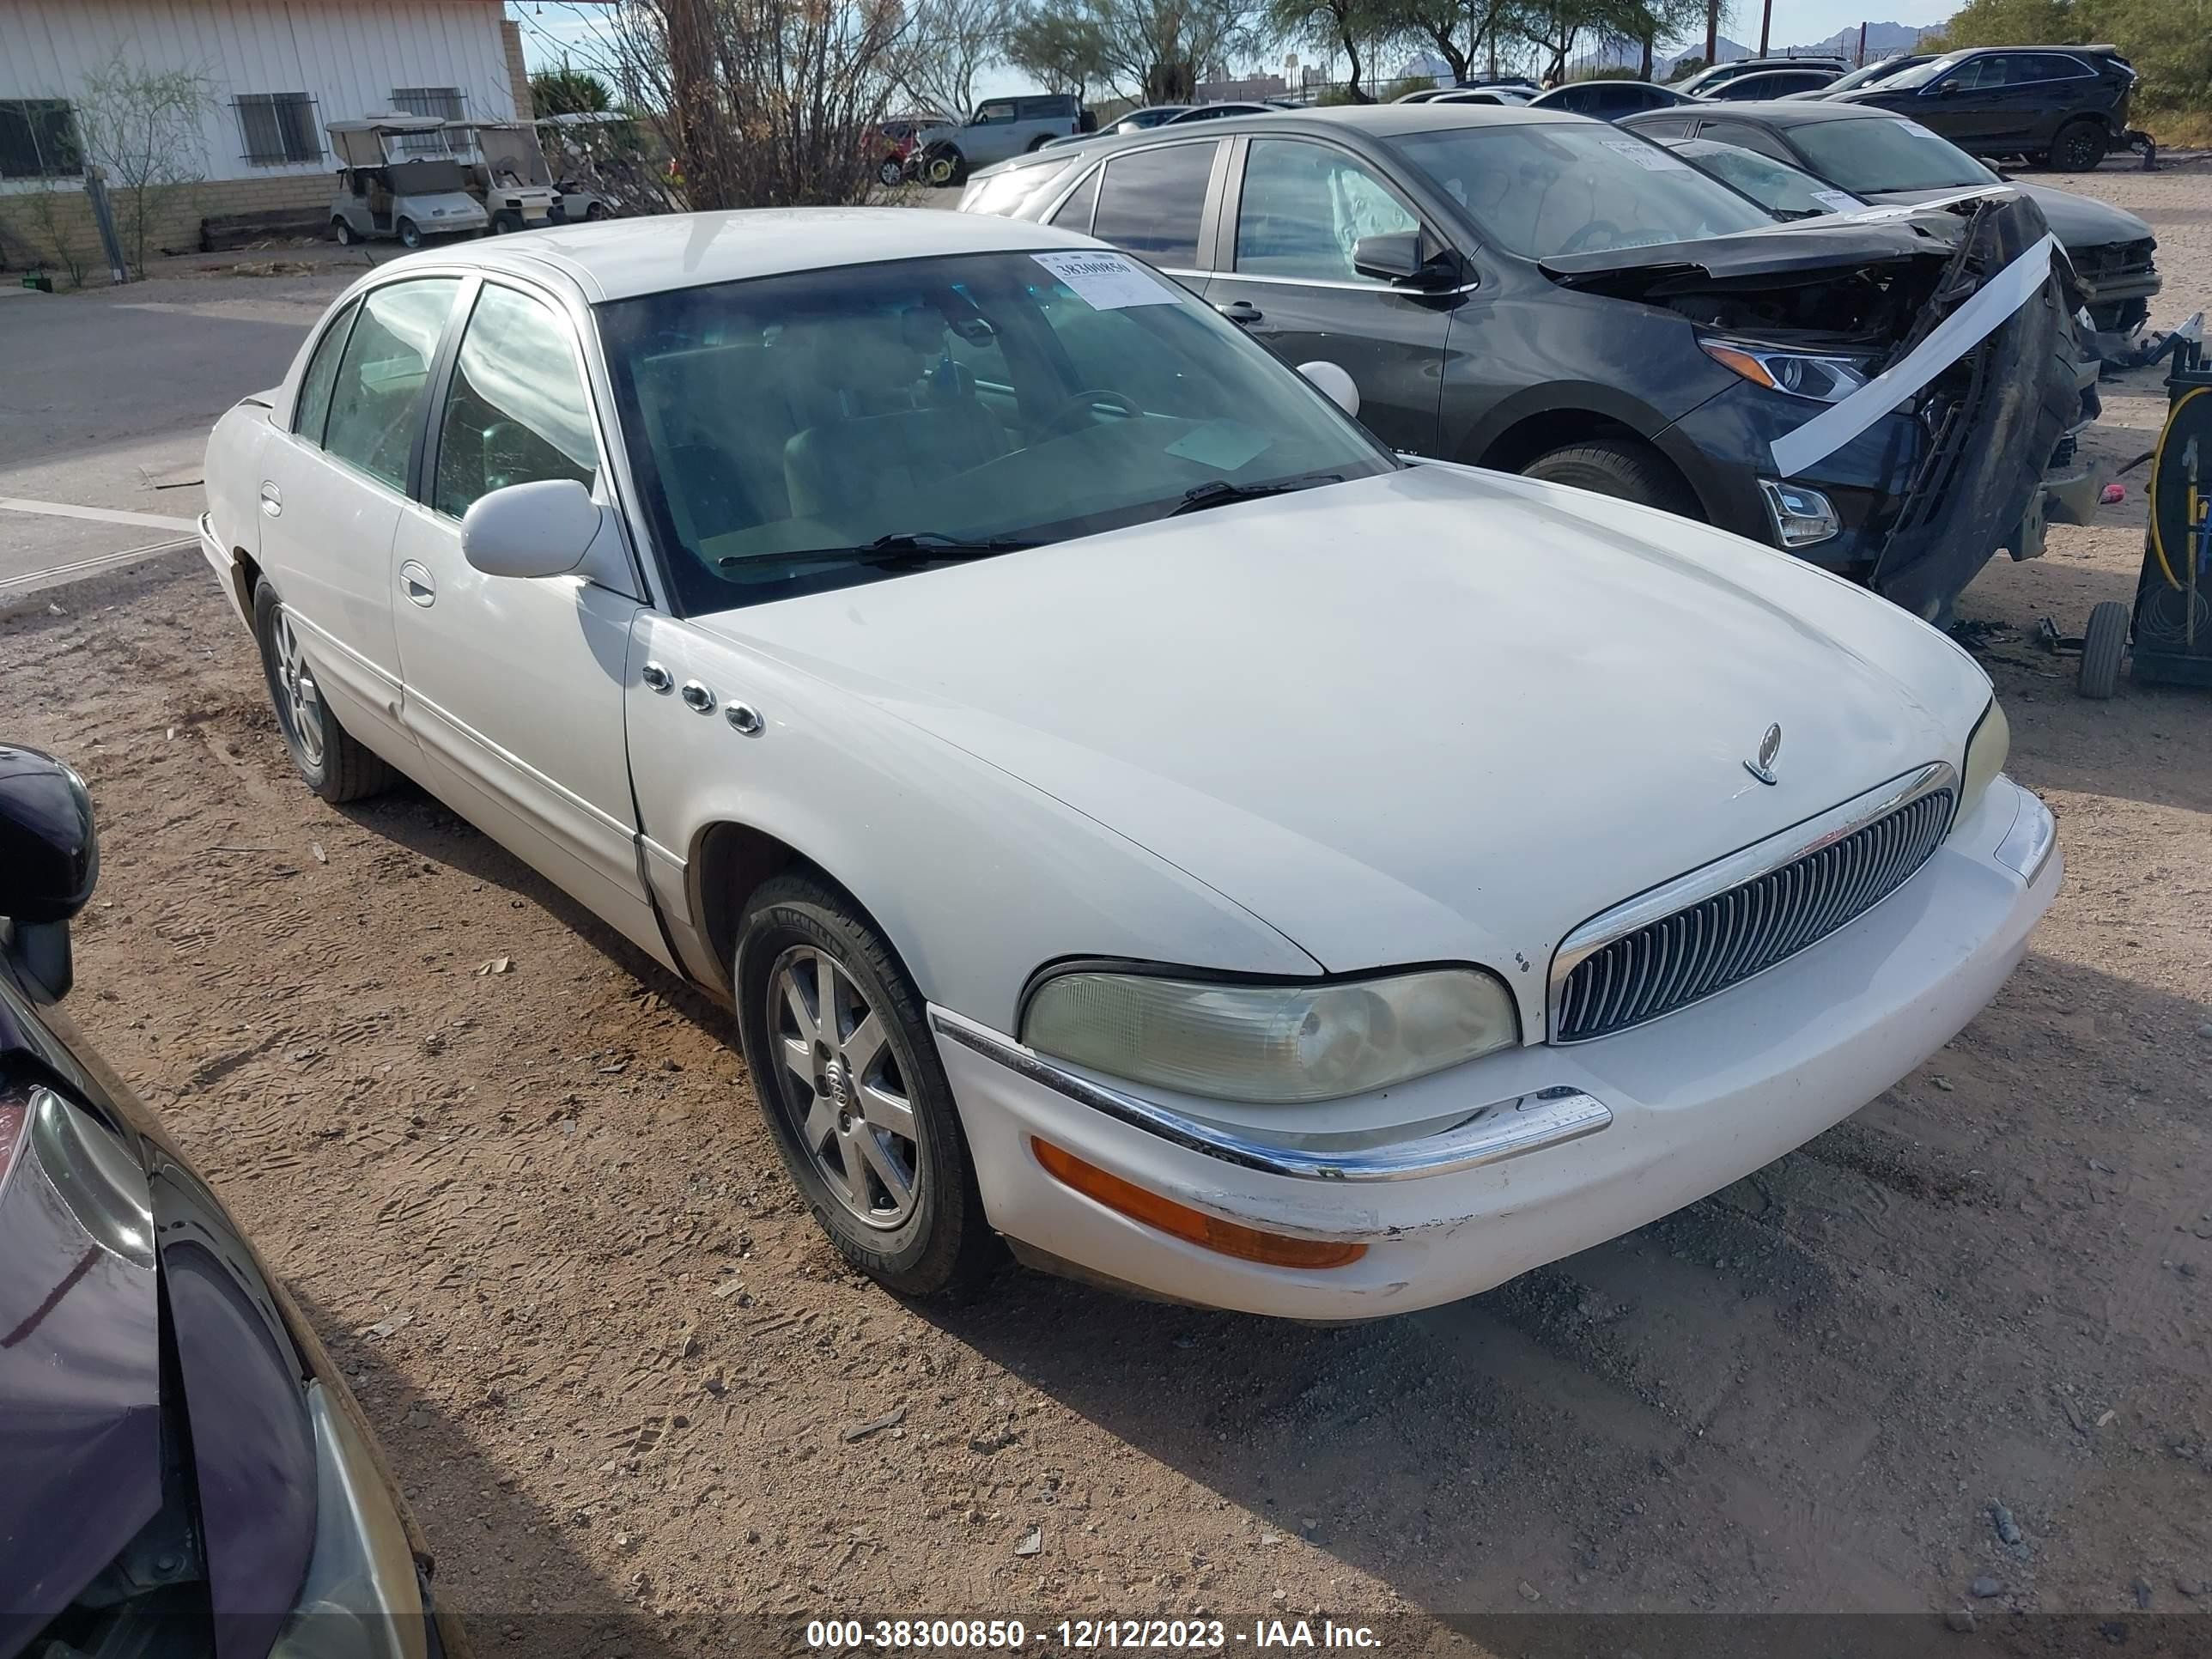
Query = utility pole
x=1712 y=30
x=1765 y=24
x=1862 y=62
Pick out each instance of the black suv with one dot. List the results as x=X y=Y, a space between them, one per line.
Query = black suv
x=1538 y=293
x=2064 y=107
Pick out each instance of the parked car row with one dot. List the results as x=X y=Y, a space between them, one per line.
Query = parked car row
x=1544 y=295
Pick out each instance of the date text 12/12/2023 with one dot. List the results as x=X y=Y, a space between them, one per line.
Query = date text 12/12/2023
x=1085 y=1635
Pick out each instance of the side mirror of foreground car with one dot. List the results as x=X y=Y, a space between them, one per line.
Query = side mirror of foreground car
x=544 y=528
x=1335 y=384
x=49 y=860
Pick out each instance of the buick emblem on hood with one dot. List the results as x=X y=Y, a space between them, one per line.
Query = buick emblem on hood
x=1769 y=747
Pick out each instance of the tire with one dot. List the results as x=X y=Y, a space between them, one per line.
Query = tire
x=593 y=213
x=343 y=232
x=892 y=173
x=940 y=1243
x=1038 y=142
x=1622 y=468
x=326 y=756
x=948 y=168
x=2080 y=147
x=2103 y=643
x=504 y=223
x=411 y=234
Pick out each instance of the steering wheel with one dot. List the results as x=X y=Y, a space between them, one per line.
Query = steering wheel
x=1082 y=404
x=504 y=449
x=1580 y=238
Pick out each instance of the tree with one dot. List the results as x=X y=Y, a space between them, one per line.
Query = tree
x=1155 y=50
x=1334 y=26
x=1646 y=22
x=567 y=91
x=763 y=103
x=1057 y=44
x=143 y=128
x=1460 y=30
x=948 y=43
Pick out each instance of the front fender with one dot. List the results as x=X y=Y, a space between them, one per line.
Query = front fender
x=976 y=877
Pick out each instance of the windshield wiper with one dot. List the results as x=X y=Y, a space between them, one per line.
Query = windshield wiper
x=1220 y=492
x=905 y=547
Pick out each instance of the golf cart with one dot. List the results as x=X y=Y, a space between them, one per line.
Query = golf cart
x=506 y=173
x=570 y=145
x=399 y=176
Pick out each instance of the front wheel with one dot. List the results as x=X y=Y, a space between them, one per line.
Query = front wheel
x=891 y=174
x=343 y=232
x=505 y=222
x=593 y=213
x=1612 y=466
x=943 y=168
x=411 y=234
x=849 y=1081
x=2079 y=148
x=325 y=755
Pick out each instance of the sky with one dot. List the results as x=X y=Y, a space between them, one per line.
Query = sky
x=550 y=26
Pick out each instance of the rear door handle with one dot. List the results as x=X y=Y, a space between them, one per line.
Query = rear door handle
x=272 y=499
x=422 y=589
x=1239 y=311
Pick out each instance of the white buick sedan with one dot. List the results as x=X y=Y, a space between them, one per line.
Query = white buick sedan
x=1135 y=815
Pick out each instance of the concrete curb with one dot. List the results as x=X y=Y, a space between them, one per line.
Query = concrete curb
x=76 y=587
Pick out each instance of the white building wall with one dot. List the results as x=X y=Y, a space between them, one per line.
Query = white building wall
x=347 y=55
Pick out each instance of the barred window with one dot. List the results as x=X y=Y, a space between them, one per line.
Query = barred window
x=278 y=127
x=446 y=103
x=37 y=139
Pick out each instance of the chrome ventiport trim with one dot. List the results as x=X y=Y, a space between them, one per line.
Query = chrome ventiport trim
x=1745 y=864
x=1489 y=1135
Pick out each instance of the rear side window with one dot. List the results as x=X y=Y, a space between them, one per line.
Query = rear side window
x=376 y=406
x=2047 y=66
x=313 y=406
x=1743 y=136
x=1152 y=202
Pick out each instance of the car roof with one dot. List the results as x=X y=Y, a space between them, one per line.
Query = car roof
x=1778 y=112
x=1382 y=120
x=621 y=259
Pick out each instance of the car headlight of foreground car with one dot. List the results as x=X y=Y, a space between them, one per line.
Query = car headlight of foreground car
x=1280 y=1044
x=1801 y=373
x=361 y=1599
x=1987 y=753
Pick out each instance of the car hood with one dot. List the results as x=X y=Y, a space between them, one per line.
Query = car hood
x=2076 y=221
x=1435 y=714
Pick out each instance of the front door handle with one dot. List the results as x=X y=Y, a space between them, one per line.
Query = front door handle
x=1239 y=311
x=272 y=499
x=422 y=589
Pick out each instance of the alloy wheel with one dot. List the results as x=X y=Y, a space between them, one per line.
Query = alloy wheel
x=840 y=1087
x=302 y=707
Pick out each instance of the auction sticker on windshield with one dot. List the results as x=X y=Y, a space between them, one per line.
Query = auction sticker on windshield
x=1650 y=157
x=1106 y=282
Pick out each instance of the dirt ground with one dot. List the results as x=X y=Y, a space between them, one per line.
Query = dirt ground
x=517 y=1176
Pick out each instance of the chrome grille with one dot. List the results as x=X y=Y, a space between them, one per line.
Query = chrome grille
x=1724 y=940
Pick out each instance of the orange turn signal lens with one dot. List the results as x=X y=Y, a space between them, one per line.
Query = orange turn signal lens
x=1192 y=1227
x=1741 y=361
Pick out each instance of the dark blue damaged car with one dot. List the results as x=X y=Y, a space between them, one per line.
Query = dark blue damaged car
x=183 y=1475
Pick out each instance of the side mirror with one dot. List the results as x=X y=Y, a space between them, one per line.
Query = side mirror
x=1334 y=384
x=544 y=528
x=1394 y=256
x=49 y=860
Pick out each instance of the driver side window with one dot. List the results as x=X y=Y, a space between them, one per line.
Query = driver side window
x=516 y=410
x=994 y=115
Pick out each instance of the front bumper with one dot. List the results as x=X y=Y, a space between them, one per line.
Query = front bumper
x=1683 y=1106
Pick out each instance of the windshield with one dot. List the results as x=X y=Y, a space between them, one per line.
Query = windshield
x=1775 y=185
x=1867 y=78
x=1890 y=153
x=1919 y=75
x=788 y=433
x=1551 y=190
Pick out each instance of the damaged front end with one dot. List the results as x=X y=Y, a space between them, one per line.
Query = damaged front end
x=1917 y=367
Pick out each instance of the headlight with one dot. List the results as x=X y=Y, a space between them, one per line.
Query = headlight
x=1272 y=1043
x=1801 y=375
x=361 y=1597
x=1986 y=757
